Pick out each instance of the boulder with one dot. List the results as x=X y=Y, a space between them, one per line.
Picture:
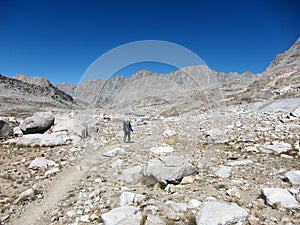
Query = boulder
x=177 y=206
x=188 y=180
x=131 y=174
x=220 y=213
x=240 y=163
x=67 y=136
x=41 y=163
x=216 y=136
x=276 y=147
x=134 y=219
x=169 y=133
x=154 y=220
x=233 y=192
x=296 y=112
x=129 y=198
x=18 y=132
x=193 y=204
x=162 y=149
x=85 y=218
x=279 y=196
x=168 y=169
x=71 y=126
x=5 y=129
x=126 y=198
x=40 y=122
x=224 y=172
x=25 y=195
x=71 y=213
x=117 y=164
x=116 y=215
x=114 y=152
x=52 y=171
x=41 y=140
x=293 y=176
x=251 y=149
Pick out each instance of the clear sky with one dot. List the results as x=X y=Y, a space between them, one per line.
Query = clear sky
x=60 y=39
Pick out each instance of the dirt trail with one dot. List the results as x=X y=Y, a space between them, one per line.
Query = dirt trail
x=63 y=183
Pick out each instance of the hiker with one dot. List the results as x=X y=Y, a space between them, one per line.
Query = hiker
x=127 y=128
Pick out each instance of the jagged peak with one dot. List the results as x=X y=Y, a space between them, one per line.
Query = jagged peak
x=40 y=81
x=290 y=57
x=140 y=73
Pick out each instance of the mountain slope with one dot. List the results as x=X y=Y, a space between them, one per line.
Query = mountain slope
x=67 y=88
x=281 y=79
x=24 y=93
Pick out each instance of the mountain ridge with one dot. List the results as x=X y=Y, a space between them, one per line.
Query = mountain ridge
x=189 y=85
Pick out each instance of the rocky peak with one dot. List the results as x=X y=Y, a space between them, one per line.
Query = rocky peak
x=26 y=94
x=288 y=59
x=140 y=74
x=39 y=81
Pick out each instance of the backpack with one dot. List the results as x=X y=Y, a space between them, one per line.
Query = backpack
x=126 y=126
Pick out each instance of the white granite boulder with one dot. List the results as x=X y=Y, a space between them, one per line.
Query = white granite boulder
x=71 y=213
x=168 y=169
x=33 y=140
x=25 y=195
x=41 y=163
x=177 y=206
x=115 y=216
x=134 y=219
x=117 y=164
x=293 y=176
x=18 y=131
x=154 y=220
x=127 y=198
x=216 y=136
x=296 y=112
x=40 y=122
x=279 y=196
x=224 y=172
x=71 y=126
x=131 y=174
x=276 y=147
x=169 y=133
x=220 y=213
x=52 y=171
x=114 y=152
x=240 y=163
x=162 y=149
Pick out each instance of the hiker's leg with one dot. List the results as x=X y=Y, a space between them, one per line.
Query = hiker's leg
x=129 y=137
x=124 y=139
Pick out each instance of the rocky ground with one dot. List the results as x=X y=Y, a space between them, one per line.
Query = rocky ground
x=227 y=160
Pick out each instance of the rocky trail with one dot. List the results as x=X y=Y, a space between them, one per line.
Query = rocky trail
x=61 y=185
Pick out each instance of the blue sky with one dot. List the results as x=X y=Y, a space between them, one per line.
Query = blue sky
x=60 y=39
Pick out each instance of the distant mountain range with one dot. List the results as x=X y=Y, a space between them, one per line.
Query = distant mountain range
x=195 y=86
